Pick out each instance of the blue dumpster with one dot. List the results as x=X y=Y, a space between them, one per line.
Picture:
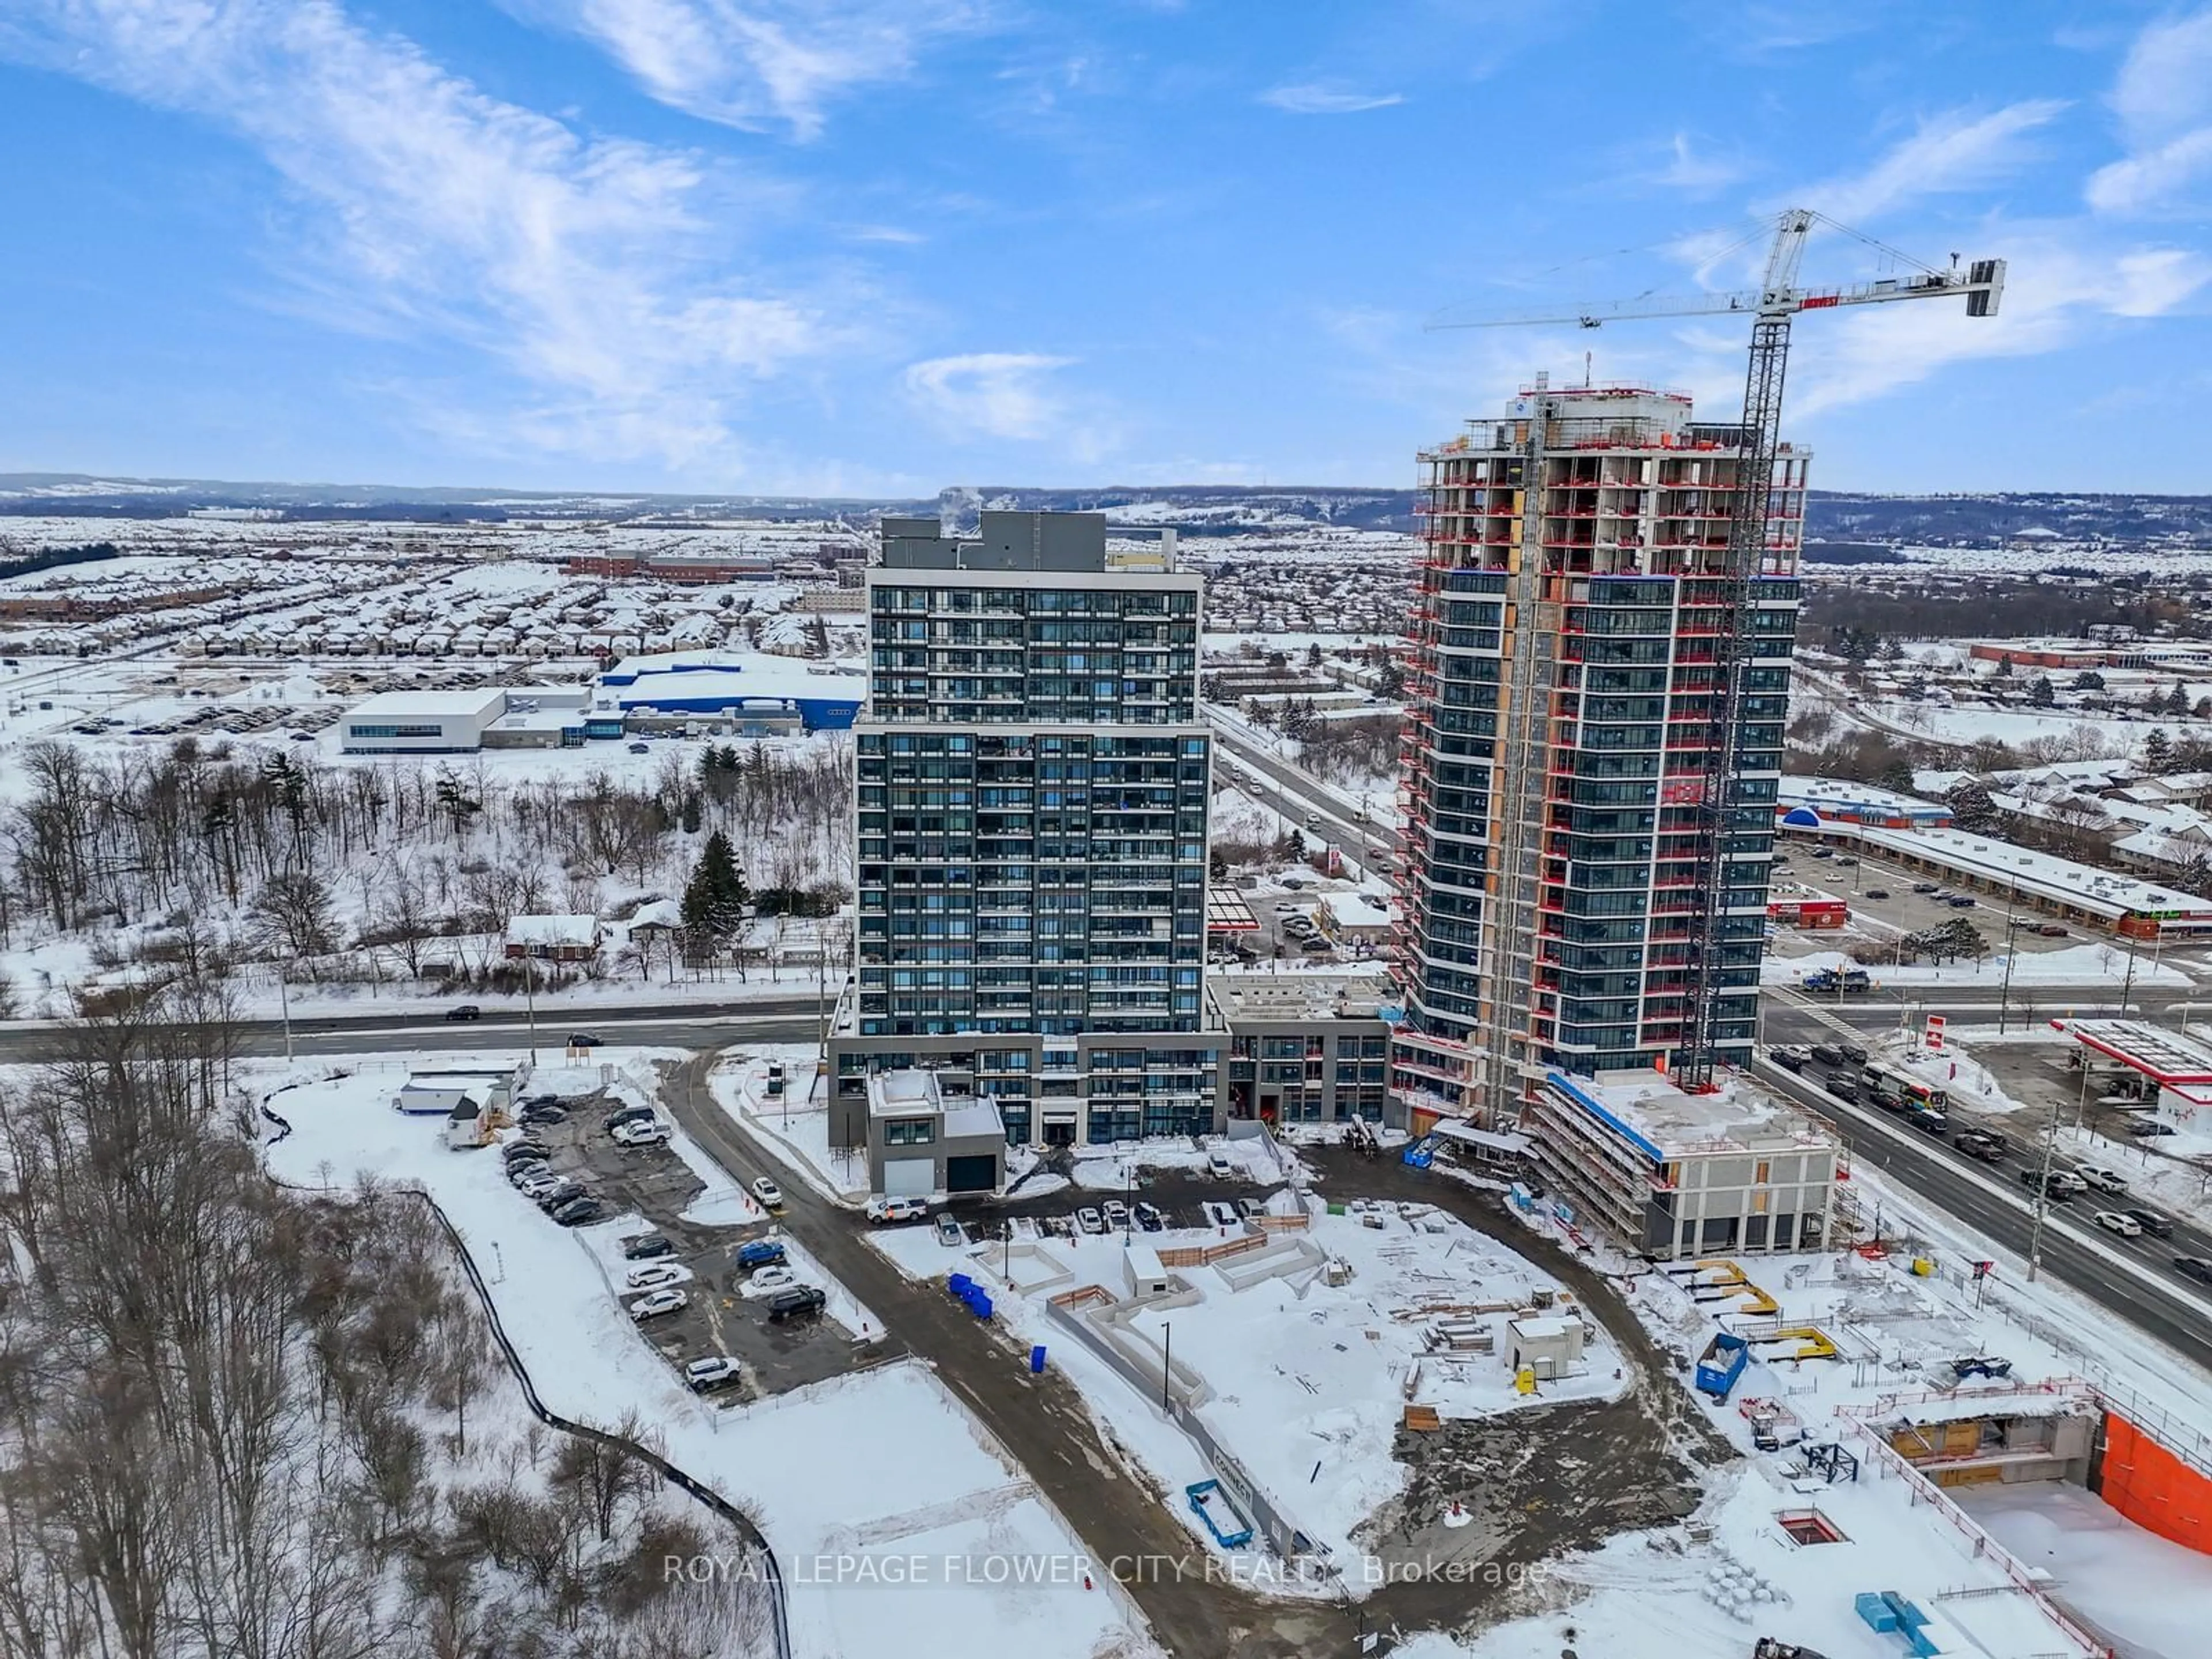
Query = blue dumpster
x=958 y=1285
x=979 y=1304
x=1036 y=1360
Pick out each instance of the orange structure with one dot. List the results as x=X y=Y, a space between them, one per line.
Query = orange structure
x=2145 y=1482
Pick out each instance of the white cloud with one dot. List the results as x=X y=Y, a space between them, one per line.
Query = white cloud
x=999 y=394
x=2057 y=288
x=1314 y=100
x=431 y=211
x=1951 y=152
x=1686 y=170
x=757 y=63
x=2164 y=102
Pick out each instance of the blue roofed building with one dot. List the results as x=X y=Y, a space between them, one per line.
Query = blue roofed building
x=757 y=693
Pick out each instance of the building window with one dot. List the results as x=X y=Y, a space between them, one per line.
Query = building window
x=395 y=730
x=909 y=1132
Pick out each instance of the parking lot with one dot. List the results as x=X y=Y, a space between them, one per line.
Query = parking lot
x=1853 y=879
x=654 y=1182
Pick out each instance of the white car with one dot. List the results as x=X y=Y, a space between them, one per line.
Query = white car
x=658 y=1302
x=769 y=1194
x=2114 y=1221
x=766 y=1281
x=2104 y=1179
x=1090 y=1220
x=1117 y=1215
x=640 y=1133
x=887 y=1211
x=654 y=1275
x=717 y=1370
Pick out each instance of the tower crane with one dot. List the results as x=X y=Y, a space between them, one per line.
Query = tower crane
x=1771 y=307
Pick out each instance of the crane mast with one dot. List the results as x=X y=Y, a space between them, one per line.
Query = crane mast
x=1719 y=818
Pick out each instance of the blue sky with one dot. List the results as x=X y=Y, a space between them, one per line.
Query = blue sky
x=879 y=247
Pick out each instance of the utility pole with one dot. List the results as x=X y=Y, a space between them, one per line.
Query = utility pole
x=530 y=1002
x=2128 y=985
x=2043 y=1187
x=2012 y=931
x=1167 y=1361
x=284 y=1001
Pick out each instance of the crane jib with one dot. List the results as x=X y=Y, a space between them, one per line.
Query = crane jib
x=1817 y=302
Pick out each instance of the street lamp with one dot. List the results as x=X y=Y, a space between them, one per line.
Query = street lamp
x=1167 y=1360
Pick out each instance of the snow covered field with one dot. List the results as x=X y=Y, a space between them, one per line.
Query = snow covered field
x=1309 y=1379
x=907 y=1553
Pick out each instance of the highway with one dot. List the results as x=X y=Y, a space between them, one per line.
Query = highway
x=704 y=1026
x=2132 y=1278
x=1296 y=796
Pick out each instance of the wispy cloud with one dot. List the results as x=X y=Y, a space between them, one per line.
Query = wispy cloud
x=1951 y=152
x=2163 y=98
x=433 y=212
x=1311 y=99
x=1699 y=175
x=2059 y=287
x=999 y=394
x=758 y=64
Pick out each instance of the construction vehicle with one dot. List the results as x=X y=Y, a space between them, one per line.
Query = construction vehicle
x=1835 y=983
x=1770 y=306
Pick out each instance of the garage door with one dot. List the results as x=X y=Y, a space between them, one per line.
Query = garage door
x=976 y=1174
x=909 y=1177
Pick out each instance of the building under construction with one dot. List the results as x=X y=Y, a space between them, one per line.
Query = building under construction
x=1589 y=802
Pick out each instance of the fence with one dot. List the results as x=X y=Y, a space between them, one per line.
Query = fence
x=1205 y=1255
x=1924 y=1491
x=1284 y=1538
x=778 y=1611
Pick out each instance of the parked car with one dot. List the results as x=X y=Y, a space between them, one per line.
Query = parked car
x=641 y=749
x=537 y=1185
x=583 y=1040
x=1923 y=887
x=2194 y=1266
x=1218 y=1214
x=639 y=1132
x=767 y=1279
x=1962 y=902
x=2051 y=930
x=1846 y=858
x=2149 y=1128
x=949 y=1233
x=466 y=1010
x=796 y=1302
x=1877 y=892
x=563 y=1193
x=2103 y=1179
x=2119 y=1221
x=1148 y=1218
x=524 y=1146
x=2152 y=1222
x=759 y=1253
x=646 y=1246
x=581 y=1213
x=717 y=1371
x=1248 y=1209
x=1942 y=895
x=888 y=1212
x=657 y=1303
x=769 y=1194
x=1090 y=1220
x=1118 y=1220
x=628 y=1114
x=654 y=1275
x=1824 y=852
x=1829 y=1054
x=537 y=1115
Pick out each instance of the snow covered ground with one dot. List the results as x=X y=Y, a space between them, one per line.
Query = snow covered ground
x=943 y=1548
x=2074 y=964
x=797 y=1121
x=1303 y=1373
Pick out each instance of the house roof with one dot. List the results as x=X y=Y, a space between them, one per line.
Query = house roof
x=553 y=930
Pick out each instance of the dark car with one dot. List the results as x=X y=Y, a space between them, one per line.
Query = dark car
x=466 y=1010
x=2058 y=1189
x=2149 y=1128
x=1929 y=1122
x=1829 y=1054
x=1923 y=887
x=535 y=1116
x=1877 y=892
x=582 y=1040
x=581 y=1213
x=646 y=1249
x=1824 y=852
x=1147 y=1217
x=528 y=1146
x=2194 y=1266
x=2052 y=930
x=1790 y=1058
x=2151 y=1222
x=614 y=1120
x=567 y=1192
x=1978 y=1145
x=1854 y=1053
x=1844 y=1088
x=1847 y=858
x=796 y=1303
x=1963 y=901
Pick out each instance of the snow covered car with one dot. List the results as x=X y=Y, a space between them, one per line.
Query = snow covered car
x=717 y=1371
x=654 y=1275
x=658 y=1302
x=1117 y=1216
x=2117 y=1221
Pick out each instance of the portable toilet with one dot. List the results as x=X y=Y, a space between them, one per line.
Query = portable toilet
x=464 y=1125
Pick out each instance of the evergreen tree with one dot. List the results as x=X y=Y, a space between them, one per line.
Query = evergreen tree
x=1971 y=809
x=2177 y=701
x=2158 y=751
x=2004 y=668
x=714 y=899
x=2039 y=694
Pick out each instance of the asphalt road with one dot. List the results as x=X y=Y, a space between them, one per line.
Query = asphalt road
x=669 y=1024
x=1293 y=793
x=2167 y=1307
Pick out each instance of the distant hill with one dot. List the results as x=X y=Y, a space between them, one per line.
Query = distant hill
x=1864 y=524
